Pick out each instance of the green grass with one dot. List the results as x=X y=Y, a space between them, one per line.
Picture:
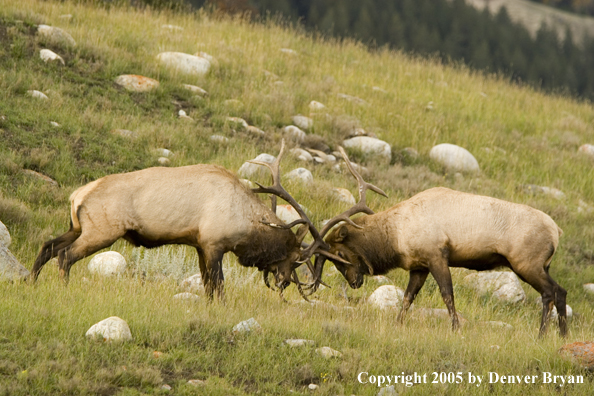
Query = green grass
x=42 y=345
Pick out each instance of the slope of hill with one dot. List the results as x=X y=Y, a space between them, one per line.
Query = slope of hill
x=533 y=15
x=267 y=74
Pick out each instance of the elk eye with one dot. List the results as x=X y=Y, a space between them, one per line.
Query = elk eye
x=340 y=255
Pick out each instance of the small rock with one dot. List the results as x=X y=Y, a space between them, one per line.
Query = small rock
x=55 y=35
x=5 y=239
x=301 y=154
x=247 y=326
x=195 y=89
x=237 y=122
x=313 y=387
x=249 y=170
x=10 y=268
x=185 y=63
x=387 y=391
x=184 y=116
x=288 y=51
x=587 y=149
x=295 y=133
x=370 y=146
x=533 y=189
x=386 y=297
x=108 y=264
x=166 y=387
x=581 y=353
x=54 y=124
x=504 y=285
x=110 y=329
x=136 y=83
x=195 y=382
x=163 y=161
x=496 y=324
x=589 y=288
x=303 y=122
x=41 y=177
x=157 y=354
x=37 y=94
x=328 y=353
x=353 y=99
x=429 y=106
x=287 y=213
x=208 y=57
x=314 y=106
x=219 y=139
x=410 y=152
x=299 y=342
x=172 y=27
x=193 y=284
x=583 y=207
x=301 y=175
x=187 y=296
x=454 y=158
x=255 y=131
x=495 y=348
x=343 y=195
x=383 y=280
x=163 y=152
x=378 y=89
x=125 y=133
x=50 y=56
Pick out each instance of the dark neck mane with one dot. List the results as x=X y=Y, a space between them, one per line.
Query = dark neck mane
x=266 y=245
x=376 y=247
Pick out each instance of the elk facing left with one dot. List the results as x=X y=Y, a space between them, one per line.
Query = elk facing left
x=204 y=206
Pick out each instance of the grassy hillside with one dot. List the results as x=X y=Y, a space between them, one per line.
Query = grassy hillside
x=518 y=136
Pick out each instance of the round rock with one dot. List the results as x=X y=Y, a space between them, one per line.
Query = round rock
x=343 y=195
x=386 y=297
x=249 y=170
x=110 y=329
x=247 y=326
x=587 y=149
x=186 y=296
x=454 y=158
x=50 y=56
x=55 y=35
x=10 y=268
x=503 y=285
x=303 y=122
x=5 y=239
x=300 y=175
x=185 y=63
x=193 y=284
x=108 y=264
x=294 y=133
x=136 y=83
x=370 y=146
x=287 y=213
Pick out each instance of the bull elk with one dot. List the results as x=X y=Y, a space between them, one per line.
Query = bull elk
x=204 y=206
x=441 y=228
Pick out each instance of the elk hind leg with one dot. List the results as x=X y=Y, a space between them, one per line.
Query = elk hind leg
x=85 y=245
x=415 y=282
x=441 y=272
x=51 y=249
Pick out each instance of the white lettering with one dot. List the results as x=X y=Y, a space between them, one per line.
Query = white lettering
x=359 y=377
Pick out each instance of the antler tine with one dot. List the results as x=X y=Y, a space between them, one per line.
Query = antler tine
x=363 y=185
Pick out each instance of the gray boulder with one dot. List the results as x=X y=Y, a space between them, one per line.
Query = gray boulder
x=503 y=285
x=10 y=268
x=454 y=158
x=4 y=236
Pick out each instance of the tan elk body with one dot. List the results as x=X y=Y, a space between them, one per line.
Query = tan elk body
x=204 y=206
x=441 y=228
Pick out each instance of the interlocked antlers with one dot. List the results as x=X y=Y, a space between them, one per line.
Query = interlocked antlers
x=319 y=248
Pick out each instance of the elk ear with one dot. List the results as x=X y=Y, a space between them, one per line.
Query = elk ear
x=341 y=234
x=301 y=233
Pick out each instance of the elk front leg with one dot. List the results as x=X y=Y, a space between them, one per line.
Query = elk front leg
x=441 y=272
x=415 y=282
x=212 y=272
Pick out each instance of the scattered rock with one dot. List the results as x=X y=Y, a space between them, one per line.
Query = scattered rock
x=37 y=94
x=496 y=324
x=163 y=161
x=247 y=326
x=328 y=353
x=219 y=139
x=163 y=152
x=249 y=170
x=382 y=280
x=295 y=133
x=185 y=63
x=136 y=83
x=54 y=124
x=343 y=195
x=589 y=288
x=50 y=56
x=66 y=17
x=110 y=329
x=301 y=154
x=40 y=176
x=5 y=239
x=581 y=353
x=378 y=89
x=287 y=213
x=353 y=99
x=157 y=354
x=315 y=106
x=255 y=131
x=55 y=35
x=108 y=264
x=166 y=387
x=125 y=133
x=429 y=106
x=387 y=391
x=303 y=122
x=583 y=207
x=193 y=284
x=187 y=296
x=454 y=158
x=410 y=153
x=299 y=342
x=195 y=89
x=503 y=285
x=313 y=387
x=288 y=51
x=370 y=146
x=195 y=382
x=300 y=175
x=184 y=116
x=237 y=122
x=533 y=189
x=172 y=27
x=10 y=268
x=386 y=297
x=587 y=149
